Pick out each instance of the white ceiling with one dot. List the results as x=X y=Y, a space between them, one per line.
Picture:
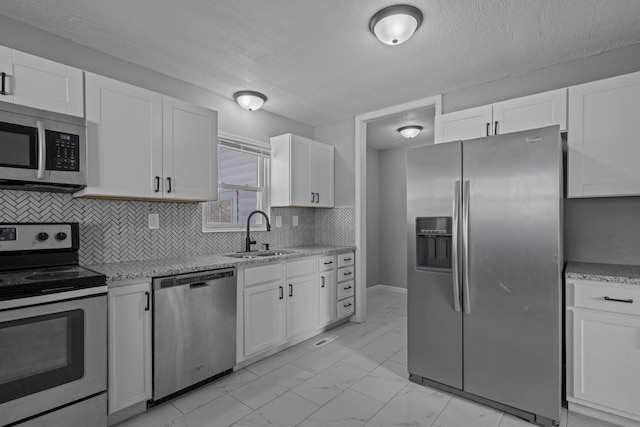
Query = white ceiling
x=382 y=134
x=316 y=59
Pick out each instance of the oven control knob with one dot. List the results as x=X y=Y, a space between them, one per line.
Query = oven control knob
x=42 y=236
x=61 y=236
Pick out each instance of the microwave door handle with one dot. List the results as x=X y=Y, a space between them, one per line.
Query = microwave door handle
x=42 y=148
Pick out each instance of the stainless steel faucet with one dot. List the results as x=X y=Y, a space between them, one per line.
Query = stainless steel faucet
x=248 y=241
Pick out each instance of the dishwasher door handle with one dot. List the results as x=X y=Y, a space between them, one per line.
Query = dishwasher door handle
x=198 y=285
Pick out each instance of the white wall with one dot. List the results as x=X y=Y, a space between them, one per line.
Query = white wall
x=393 y=217
x=259 y=125
x=373 y=217
x=342 y=136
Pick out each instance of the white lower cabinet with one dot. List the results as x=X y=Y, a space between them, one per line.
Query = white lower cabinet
x=326 y=298
x=302 y=305
x=345 y=304
x=287 y=302
x=603 y=350
x=129 y=344
x=264 y=322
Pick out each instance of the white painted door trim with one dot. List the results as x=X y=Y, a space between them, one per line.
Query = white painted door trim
x=361 y=192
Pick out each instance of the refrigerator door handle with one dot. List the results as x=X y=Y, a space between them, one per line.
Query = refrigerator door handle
x=465 y=247
x=454 y=246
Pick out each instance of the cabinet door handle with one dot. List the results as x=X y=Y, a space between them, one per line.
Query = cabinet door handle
x=495 y=129
x=347 y=305
x=169 y=181
x=322 y=278
x=148 y=296
x=488 y=128
x=313 y=197
x=317 y=197
x=290 y=290
x=629 y=301
x=4 y=79
x=281 y=292
x=157 y=184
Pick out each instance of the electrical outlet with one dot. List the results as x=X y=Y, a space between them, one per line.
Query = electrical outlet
x=278 y=221
x=154 y=221
x=295 y=220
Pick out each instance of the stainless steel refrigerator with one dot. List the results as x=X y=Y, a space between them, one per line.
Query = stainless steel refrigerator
x=484 y=270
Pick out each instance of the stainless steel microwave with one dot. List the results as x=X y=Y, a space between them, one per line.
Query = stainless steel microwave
x=41 y=150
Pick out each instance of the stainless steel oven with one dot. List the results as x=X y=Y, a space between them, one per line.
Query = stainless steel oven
x=53 y=330
x=41 y=150
x=53 y=354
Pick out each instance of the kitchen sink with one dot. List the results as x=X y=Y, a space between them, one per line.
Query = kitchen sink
x=258 y=254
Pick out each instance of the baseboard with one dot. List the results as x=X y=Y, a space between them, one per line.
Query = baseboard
x=388 y=288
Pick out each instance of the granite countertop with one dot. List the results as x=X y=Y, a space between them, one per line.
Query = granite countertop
x=130 y=270
x=613 y=273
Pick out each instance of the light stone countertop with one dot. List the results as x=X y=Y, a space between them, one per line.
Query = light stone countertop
x=131 y=270
x=612 y=273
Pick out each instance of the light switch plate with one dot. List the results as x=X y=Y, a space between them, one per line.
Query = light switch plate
x=154 y=221
x=278 y=221
x=295 y=220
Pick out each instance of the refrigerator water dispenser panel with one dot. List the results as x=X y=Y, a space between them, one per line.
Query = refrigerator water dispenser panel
x=433 y=243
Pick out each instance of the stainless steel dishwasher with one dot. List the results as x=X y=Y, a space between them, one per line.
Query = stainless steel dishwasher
x=194 y=330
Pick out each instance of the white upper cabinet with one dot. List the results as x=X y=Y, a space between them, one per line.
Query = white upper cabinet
x=190 y=151
x=124 y=140
x=528 y=112
x=40 y=83
x=604 y=138
x=143 y=145
x=464 y=124
x=302 y=172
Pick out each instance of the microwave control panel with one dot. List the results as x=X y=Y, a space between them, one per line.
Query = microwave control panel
x=63 y=151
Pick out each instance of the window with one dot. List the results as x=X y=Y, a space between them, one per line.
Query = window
x=243 y=186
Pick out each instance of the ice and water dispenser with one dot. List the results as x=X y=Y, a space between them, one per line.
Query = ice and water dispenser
x=433 y=243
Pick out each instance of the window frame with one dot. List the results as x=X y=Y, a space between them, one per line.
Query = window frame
x=261 y=150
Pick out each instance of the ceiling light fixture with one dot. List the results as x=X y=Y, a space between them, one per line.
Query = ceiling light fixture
x=410 y=131
x=394 y=25
x=249 y=99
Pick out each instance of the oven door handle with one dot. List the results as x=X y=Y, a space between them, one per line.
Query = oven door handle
x=42 y=148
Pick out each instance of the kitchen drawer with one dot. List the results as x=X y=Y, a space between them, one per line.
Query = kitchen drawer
x=602 y=295
x=326 y=262
x=345 y=259
x=345 y=273
x=262 y=274
x=346 y=307
x=301 y=267
x=345 y=289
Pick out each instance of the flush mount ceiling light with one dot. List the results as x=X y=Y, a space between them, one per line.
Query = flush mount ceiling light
x=410 y=131
x=249 y=99
x=394 y=25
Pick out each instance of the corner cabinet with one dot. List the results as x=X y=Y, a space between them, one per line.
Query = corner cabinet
x=129 y=344
x=604 y=138
x=144 y=145
x=603 y=350
x=302 y=172
x=513 y=115
x=40 y=83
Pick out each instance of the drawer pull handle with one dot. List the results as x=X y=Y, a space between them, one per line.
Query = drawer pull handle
x=347 y=288
x=347 y=273
x=629 y=301
x=347 y=305
x=328 y=263
x=347 y=259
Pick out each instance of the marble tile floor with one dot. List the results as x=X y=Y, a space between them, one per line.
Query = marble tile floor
x=360 y=379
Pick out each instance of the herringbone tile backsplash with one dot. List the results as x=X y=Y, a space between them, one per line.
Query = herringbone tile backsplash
x=114 y=230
